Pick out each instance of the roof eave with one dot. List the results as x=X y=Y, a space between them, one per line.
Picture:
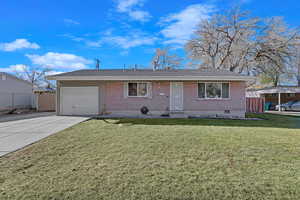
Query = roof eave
x=150 y=78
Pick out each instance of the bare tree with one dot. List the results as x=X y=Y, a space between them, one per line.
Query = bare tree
x=225 y=41
x=240 y=43
x=276 y=50
x=34 y=75
x=294 y=67
x=298 y=69
x=163 y=59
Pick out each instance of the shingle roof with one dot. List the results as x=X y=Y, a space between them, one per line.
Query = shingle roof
x=117 y=72
x=147 y=73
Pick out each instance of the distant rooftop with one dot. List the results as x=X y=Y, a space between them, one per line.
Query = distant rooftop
x=15 y=77
x=273 y=87
x=273 y=90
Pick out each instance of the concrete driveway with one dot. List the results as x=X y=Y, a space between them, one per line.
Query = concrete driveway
x=14 y=117
x=288 y=113
x=15 y=135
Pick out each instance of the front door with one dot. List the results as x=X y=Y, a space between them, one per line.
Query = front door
x=176 y=96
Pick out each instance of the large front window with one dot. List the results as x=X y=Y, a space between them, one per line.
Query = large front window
x=213 y=90
x=137 y=89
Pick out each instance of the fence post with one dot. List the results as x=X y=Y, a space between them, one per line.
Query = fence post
x=13 y=100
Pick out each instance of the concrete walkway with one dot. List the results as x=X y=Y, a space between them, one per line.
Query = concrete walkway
x=15 y=135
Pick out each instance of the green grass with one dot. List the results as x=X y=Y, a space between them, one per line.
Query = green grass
x=176 y=159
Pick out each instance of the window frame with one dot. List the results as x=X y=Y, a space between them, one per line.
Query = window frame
x=205 y=93
x=137 y=88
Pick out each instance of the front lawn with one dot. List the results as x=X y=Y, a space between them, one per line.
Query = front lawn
x=172 y=159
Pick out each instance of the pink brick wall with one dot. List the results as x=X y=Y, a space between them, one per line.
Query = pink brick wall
x=115 y=100
x=236 y=102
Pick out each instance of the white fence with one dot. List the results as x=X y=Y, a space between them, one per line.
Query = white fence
x=16 y=100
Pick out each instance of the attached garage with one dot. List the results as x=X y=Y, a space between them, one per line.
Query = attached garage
x=79 y=100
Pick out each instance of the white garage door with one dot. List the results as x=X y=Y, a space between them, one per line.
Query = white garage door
x=79 y=100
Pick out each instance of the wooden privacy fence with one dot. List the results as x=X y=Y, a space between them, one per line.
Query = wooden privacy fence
x=255 y=105
x=45 y=101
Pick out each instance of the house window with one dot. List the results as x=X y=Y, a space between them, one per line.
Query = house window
x=137 y=89
x=213 y=90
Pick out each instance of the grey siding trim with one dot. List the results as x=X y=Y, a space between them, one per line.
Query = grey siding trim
x=80 y=83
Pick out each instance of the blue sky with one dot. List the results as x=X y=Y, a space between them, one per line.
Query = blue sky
x=66 y=35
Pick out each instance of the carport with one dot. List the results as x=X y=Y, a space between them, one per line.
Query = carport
x=276 y=95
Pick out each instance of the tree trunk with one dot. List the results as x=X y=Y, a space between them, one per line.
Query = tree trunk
x=213 y=60
x=275 y=81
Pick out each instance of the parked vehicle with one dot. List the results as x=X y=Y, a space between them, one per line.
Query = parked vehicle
x=290 y=106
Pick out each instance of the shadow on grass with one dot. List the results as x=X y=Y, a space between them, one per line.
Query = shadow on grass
x=268 y=120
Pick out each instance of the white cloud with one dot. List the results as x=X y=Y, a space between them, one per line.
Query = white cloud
x=18 y=44
x=87 y=42
x=179 y=27
x=54 y=60
x=133 y=9
x=93 y=43
x=140 y=15
x=72 y=37
x=19 y=68
x=133 y=39
x=71 y=22
x=124 y=53
x=130 y=41
x=127 y=5
x=53 y=73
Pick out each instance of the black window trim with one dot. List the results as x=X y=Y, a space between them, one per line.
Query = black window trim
x=147 y=86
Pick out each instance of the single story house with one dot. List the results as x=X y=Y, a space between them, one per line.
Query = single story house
x=15 y=92
x=125 y=92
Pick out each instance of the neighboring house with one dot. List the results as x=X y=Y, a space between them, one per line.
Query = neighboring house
x=15 y=92
x=125 y=92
